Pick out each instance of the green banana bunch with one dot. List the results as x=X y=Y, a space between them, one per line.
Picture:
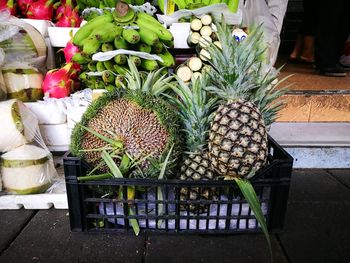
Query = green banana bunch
x=131 y=36
x=91 y=46
x=84 y=32
x=107 y=33
x=123 y=14
x=144 y=20
x=168 y=59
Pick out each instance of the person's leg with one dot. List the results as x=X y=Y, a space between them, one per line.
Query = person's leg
x=326 y=54
x=298 y=46
x=343 y=28
x=308 y=29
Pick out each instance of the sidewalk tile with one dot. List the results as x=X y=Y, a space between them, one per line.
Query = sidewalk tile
x=317 y=232
x=12 y=221
x=215 y=249
x=316 y=186
x=47 y=238
x=343 y=175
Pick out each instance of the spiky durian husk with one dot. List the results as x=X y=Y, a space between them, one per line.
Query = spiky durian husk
x=145 y=124
x=237 y=139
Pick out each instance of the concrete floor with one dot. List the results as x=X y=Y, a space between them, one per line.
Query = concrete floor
x=316 y=230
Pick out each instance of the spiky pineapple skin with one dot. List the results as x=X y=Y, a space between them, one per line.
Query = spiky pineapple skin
x=197 y=167
x=237 y=139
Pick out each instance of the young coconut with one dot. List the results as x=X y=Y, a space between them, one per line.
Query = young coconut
x=27 y=169
x=21 y=125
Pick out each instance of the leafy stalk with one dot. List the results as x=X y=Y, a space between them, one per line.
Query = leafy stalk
x=111 y=165
x=250 y=195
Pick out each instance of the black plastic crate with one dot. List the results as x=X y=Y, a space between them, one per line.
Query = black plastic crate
x=89 y=210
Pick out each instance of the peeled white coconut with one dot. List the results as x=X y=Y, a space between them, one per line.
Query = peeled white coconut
x=27 y=169
x=18 y=125
x=23 y=84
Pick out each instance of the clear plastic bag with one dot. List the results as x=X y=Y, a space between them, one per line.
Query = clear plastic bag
x=26 y=164
x=22 y=58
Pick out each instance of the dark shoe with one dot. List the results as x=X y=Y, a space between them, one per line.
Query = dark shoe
x=333 y=72
x=346 y=67
x=293 y=60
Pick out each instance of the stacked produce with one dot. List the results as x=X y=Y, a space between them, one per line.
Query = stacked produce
x=23 y=56
x=64 y=13
x=194 y=4
x=8 y=5
x=202 y=34
x=124 y=29
x=106 y=3
x=138 y=124
x=26 y=165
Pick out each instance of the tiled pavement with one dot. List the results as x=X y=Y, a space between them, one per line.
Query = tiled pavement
x=317 y=229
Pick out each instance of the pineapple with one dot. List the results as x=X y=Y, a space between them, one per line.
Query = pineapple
x=195 y=109
x=144 y=123
x=241 y=78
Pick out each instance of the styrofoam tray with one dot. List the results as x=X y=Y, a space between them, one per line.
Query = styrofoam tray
x=59 y=36
x=56 y=198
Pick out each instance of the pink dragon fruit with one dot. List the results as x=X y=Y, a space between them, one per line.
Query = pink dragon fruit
x=58 y=82
x=67 y=16
x=23 y=5
x=9 y=5
x=42 y=9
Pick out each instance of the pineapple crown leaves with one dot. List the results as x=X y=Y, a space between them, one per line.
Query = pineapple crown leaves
x=239 y=71
x=195 y=109
x=152 y=82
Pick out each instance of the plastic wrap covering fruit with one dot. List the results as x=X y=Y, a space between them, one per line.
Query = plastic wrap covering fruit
x=22 y=57
x=26 y=165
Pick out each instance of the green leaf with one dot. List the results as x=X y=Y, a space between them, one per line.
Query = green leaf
x=249 y=194
x=134 y=224
x=95 y=177
x=165 y=163
x=124 y=164
x=100 y=136
x=111 y=165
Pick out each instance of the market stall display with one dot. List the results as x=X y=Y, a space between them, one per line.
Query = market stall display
x=177 y=152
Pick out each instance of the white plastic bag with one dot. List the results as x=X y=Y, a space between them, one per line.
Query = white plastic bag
x=216 y=11
x=256 y=12
x=26 y=165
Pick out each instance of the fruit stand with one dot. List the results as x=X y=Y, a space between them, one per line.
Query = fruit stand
x=164 y=118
